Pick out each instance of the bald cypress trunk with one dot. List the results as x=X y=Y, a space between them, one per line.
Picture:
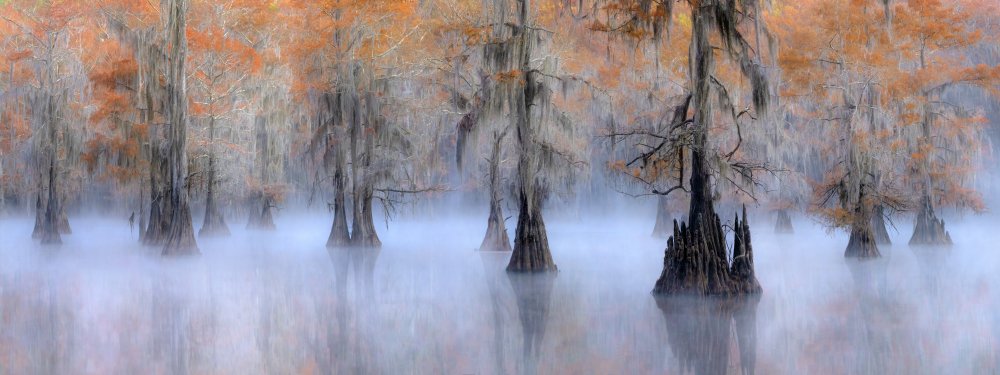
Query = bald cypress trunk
x=261 y=217
x=496 y=231
x=928 y=229
x=338 y=234
x=862 y=243
x=214 y=223
x=180 y=236
x=879 y=229
x=531 y=244
x=695 y=261
x=662 y=226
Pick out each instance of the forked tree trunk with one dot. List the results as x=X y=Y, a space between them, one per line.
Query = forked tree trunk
x=180 y=236
x=496 y=231
x=214 y=224
x=695 y=261
x=928 y=229
x=663 y=223
x=783 y=223
x=879 y=229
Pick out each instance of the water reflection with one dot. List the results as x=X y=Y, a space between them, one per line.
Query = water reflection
x=700 y=333
x=351 y=349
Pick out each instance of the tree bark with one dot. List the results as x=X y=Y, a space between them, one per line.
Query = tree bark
x=180 y=236
x=496 y=231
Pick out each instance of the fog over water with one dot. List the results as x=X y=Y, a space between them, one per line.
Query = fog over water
x=429 y=303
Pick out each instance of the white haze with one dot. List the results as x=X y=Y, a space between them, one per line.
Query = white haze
x=274 y=302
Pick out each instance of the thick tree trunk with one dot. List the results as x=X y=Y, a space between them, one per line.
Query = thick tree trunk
x=180 y=236
x=49 y=232
x=663 y=223
x=531 y=244
x=862 y=243
x=928 y=229
x=214 y=224
x=695 y=261
x=496 y=231
x=783 y=223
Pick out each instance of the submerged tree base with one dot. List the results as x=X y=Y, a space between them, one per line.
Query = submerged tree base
x=496 y=232
x=531 y=245
x=862 y=244
x=695 y=261
x=929 y=229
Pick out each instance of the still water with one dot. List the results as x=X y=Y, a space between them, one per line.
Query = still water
x=428 y=303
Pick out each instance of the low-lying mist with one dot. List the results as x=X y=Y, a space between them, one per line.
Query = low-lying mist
x=429 y=303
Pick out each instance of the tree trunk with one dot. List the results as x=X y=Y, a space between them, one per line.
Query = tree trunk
x=180 y=236
x=214 y=224
x=862 y=243
x=49 y=230
x=879 y=229
x=783 y=223
x=662 y=227
x=262 y=219
x=531 y=244
x=928 y=229
x=496 y=231
x=695 y=261
x=339 y=236
x=363 y=232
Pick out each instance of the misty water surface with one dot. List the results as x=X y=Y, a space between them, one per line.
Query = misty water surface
x=428 y=303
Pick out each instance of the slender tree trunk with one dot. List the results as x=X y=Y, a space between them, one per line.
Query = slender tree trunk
x=695 y=261
x=928 y=229
x=662 y=226
x=496 y=231
x=180 y=237
x=214 y=223
x=338 y=233
x=879 y=228
x=262 y=218
x=363 y=231
x=50 y=223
